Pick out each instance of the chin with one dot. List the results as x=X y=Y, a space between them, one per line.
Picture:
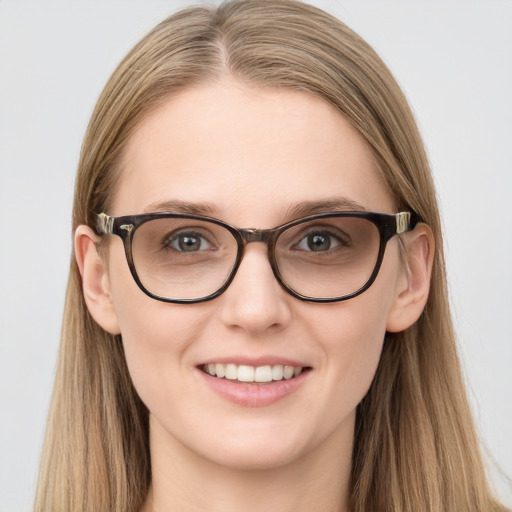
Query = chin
x=257 y=450
x=256 y=459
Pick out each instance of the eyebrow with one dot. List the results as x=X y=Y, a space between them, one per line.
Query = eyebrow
x=296 y=211
x=176 y=205
x=335 y=204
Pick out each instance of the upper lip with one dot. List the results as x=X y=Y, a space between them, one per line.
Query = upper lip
x=256 y=361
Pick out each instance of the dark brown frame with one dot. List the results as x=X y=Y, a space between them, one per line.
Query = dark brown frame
x=388 y=225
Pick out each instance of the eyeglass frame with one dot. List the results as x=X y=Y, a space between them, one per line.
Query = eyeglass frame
x=388 y=226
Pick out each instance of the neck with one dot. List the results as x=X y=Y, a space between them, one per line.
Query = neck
x=184 y=481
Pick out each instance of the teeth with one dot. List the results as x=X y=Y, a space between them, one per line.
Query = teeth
x=277 y=372
x=231 y=371
x=288 y=372
x=263 y=374
x=220 y=371
x=245 y=373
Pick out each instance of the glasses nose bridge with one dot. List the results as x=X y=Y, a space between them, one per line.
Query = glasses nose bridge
x=251 y=235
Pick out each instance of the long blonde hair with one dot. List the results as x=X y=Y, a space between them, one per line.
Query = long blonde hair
x=415 y=444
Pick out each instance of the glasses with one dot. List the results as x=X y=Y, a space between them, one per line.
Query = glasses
x=185 y=258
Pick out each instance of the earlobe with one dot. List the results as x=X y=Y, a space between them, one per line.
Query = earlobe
x=95 y=280
x=413 y=285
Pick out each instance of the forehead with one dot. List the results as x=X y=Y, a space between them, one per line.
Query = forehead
x=249 y=153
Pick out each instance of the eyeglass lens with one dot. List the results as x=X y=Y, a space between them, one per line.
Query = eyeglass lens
x=179 y=258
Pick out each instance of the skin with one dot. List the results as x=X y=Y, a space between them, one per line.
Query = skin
x=251 y=154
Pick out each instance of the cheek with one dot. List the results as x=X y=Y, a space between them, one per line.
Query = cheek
x=156 y=335
x=352 y=350
x=157 y=340
x=351 y=335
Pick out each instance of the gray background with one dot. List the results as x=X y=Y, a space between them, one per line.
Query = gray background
x=454 y=60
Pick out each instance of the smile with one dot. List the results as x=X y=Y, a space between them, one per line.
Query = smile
x=256 y=385
x=257 y=374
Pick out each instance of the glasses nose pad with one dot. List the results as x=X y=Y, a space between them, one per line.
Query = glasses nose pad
x=248 y=236
x=254 y=301
x=266 y=236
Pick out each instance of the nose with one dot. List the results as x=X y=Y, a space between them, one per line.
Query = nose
x=255 y=302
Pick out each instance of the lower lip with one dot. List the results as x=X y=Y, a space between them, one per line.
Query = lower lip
x=253 y=394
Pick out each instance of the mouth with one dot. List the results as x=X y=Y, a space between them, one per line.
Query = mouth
x=253 y=374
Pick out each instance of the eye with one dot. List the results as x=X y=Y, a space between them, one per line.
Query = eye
x=187 y=241
x=320 y=241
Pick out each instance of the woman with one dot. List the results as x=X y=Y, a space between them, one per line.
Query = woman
x=198 y=368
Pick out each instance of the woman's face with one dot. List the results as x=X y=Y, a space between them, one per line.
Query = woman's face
x=251 y=156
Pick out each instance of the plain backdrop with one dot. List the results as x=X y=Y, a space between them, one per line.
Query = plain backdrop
x=454 y=61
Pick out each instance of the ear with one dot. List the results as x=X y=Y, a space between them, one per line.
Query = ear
x=95 y=280
x=413 y=284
